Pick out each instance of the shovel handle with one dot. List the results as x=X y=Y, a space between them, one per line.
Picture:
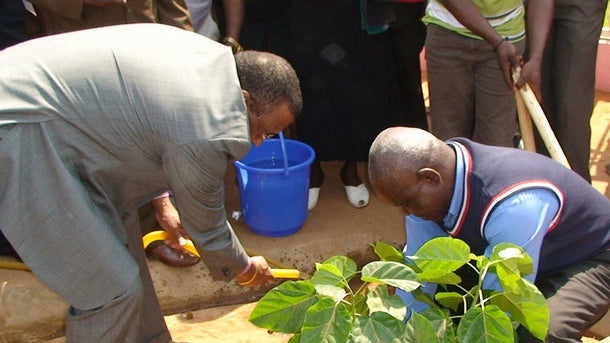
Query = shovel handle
x=190 y=247
x=542 y=124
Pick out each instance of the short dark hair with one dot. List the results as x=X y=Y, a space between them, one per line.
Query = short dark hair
x=270 y=79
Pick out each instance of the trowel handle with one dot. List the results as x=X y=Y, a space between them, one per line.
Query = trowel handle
x=285 y=273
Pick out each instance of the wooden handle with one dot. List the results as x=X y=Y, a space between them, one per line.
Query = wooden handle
x=525 y=124
x=542 y=124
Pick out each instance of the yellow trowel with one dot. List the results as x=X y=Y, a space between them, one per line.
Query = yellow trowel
x=281 y=273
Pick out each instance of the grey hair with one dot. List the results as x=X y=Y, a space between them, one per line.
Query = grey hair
x=270 y=79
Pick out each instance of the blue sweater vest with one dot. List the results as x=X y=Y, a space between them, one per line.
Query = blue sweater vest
x=581 y=228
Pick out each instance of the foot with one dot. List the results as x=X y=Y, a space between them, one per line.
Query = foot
x=358 y=196
x=357 y=193
x=170 y=256
x=316 y=179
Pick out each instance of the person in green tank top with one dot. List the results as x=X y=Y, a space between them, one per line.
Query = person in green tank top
x=471 y=49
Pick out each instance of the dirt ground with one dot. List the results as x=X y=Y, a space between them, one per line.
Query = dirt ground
x=230 y=323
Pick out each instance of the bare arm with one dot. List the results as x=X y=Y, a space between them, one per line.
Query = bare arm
x=539 y=17
x=235 y=11
x=168 y=218
x=467 y=14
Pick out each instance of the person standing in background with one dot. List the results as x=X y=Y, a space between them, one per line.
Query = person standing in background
x=350 y=90
x=71 y=15
x=407 y=35
x=471 y=50
x=218 y=20
x=267 y=27
x=568 y=78
x=13 y=17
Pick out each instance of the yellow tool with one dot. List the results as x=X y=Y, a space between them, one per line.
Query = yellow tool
x=283 y=273
x=11 y=263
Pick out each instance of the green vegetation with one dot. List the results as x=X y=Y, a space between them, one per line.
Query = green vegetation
x=331 y=307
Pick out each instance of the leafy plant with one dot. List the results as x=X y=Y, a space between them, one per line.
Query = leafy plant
x=334 y=307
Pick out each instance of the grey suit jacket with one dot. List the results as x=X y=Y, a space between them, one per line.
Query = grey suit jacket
x=96 y=123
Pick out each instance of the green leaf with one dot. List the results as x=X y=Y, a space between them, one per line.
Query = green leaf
x=439 y=276
x=360 y=306
x=295 y=339
x=442 y=254
x=450 y=300
x=390 y=273
x=379 y=300
x=327 y=321
x=379 y=327
x=335 y=271
x=346 y=265
x=419 y=329
x=334 y=292
x=442 y=323
x=283 y=308
x=387 y=252
x=527 y=306
x=485 y=325
x=510 y=263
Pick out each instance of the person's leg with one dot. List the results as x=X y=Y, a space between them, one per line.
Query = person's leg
x=356 y=192
x=450 y=83
x=569 y=79
x=173 y=12
x=73 y=239
x=12 y=23
x=133 y=316
x=577 y=298
x=152 y=325
x=407 y=35
x=495 y=108
x=316 y=178
x=100 y=324
x=199 y=11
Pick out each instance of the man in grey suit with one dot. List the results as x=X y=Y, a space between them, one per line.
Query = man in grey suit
x=94 y=124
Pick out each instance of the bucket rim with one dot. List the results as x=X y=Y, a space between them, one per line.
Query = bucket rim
x=297 y=166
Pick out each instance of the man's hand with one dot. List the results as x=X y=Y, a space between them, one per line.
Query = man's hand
x=532 y=75
x=168 y=218
x=258 y=274
x=509 y=59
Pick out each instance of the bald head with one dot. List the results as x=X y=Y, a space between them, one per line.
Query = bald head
x=404 y=149
x=401 y=157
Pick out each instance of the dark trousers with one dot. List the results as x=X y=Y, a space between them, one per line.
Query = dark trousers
x=12 y=23
x=407 y=35
x=577 y=297
x=568 y=78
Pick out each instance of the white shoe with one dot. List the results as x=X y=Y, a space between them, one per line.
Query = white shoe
x=312 y=199
x=357 y=196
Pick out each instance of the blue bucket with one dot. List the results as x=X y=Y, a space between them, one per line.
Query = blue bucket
x=273 y=193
